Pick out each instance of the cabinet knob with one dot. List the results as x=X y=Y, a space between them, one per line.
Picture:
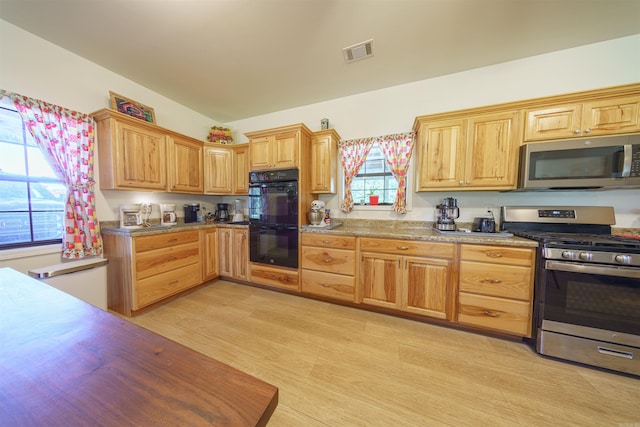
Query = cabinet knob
x=402 y=248
x=491 y=313
x=588 y=130
x=461 y=182
x=577 y=131
x=492 y=281
x=327 y=260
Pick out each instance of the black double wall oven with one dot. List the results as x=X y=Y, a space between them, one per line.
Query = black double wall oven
x=273 y=217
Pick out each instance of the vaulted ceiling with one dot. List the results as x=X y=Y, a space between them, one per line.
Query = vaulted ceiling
x=232 y=59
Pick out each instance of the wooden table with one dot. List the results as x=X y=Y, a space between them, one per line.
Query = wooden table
x=65 y=362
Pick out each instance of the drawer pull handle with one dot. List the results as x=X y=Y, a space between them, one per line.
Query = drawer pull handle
x=172 y=240
x=494 y=255
x=492 y=281
x=324 y=285
x=491 y=313
x=402 y=248
x=326 y=242
x=613 y=352
x=172 y=258
x=173 y=282
x=327 y=260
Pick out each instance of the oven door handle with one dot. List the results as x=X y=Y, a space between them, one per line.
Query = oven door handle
x=632 y=273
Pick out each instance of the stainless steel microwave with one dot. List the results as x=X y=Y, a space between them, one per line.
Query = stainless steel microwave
x=606 y=162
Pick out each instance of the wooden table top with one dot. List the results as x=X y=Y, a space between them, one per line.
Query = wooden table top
x=65 y=362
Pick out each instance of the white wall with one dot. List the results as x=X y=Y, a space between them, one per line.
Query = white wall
x=394 y=109
x=78 y=84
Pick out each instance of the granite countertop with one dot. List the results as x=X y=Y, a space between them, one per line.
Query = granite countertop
x=113 y=227
x=416 y=230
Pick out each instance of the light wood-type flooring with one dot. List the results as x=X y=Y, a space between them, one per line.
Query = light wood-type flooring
x=339 y=366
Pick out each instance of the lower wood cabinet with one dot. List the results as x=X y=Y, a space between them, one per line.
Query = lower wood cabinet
x=143 y=270
x=233 y=248
x=210 y=259
x=279 y=277
x=329 y=266
x=408 y=275
x=496 y=288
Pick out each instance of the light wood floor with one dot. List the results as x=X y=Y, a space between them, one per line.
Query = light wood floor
x=338 y=366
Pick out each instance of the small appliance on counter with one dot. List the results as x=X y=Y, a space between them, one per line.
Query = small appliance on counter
x=484 y=224
x=222 y=212
x=316 y=216
x=167 y=214
x=238 y=216
x=191 y=212
x=446 y=213
x=130 y=216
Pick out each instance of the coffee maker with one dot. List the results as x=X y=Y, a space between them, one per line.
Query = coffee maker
x=446 y=212
x=191 y=212
x=222 y=212
x=167 y=214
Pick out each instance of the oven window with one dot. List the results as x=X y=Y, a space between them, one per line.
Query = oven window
x=274 y=203
x=274 y=245
x=596 y=301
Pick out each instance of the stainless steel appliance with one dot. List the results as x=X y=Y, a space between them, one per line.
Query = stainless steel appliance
x=191 y=212
x=222 y=212
x=446 y=213
x=273 y=217
x=612 y=162
x=587 y=290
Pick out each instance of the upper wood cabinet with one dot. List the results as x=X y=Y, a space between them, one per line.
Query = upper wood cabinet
x=132 y=154
x=324 y=160
x=218 y=163
x=277 y=148
x=582 y=119
x=185 y=165
x=240 y=169
x=226 y=169
x=469 y=152
x=136 y=155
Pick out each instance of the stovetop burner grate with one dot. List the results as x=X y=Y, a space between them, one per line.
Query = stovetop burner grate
x=578 y=239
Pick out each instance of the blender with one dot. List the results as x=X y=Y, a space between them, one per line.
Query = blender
x=238 y=216
x=446 y=213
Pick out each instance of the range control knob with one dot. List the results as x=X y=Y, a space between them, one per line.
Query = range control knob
x=622 y=259
x=568 y=255
x=585 y=256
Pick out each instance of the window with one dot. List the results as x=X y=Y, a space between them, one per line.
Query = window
x=32 y=198
x=374 y=177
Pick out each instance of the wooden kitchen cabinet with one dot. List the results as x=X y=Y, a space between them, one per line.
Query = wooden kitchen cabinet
x=218 y=164
x=146 y=269
x=210 y=258
x=328 y=266
x=469 y=152
x=136 y=155
x=496 y=288
x=233 y=247
x=596 y=117
x=240 y=169
x=324 y=161
x=407 y=275
x=226 y=169
x=277 y=148
x=132 y=154
x=185 y=169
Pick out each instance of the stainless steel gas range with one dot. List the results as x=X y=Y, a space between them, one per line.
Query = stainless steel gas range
x=587 y=291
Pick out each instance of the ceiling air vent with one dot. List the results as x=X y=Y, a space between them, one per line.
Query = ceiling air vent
x=358 y=51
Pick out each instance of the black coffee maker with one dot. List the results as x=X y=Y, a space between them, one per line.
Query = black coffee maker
x=222 y=212
x=191 y=212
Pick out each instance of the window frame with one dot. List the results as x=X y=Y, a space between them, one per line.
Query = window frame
x=26 y=144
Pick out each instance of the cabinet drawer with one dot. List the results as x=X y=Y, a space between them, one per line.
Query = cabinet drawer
x=340 y=261
x=498 y=254
x=508 y=281
x=408 y=247
x=158 y=287
x=163 y=260
x=328 y=284
x=328 y=241
x=165 y=240
x=286 y=278
x=495 y=313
